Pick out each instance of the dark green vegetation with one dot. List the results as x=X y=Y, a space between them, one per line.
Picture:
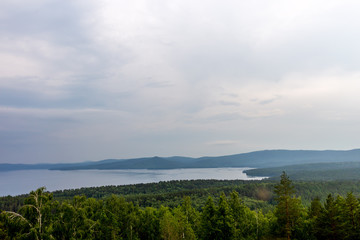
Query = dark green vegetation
x=165 y=193
x=259 y=159
x=256 y=194
x=314 y=171
x=198 y=209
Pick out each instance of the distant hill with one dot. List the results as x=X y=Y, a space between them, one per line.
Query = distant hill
x=313 y=171
x=137 y=163
x=276 y=158
x=258 y=159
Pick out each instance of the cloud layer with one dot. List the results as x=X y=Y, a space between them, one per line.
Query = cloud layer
x=88 y=80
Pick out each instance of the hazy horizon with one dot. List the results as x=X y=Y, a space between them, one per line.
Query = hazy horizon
x=183 y=156
x=91 y=80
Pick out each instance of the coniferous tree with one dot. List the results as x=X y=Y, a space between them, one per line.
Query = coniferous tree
x=288 y=209
x=313 y=213
x=224 y=221
x=327 y=224
x=315 y=208
x=350 y=216
x=208 y=221
x=238 y=212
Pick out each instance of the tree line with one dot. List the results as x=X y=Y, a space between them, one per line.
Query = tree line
x=224 y=217
x=255 y=194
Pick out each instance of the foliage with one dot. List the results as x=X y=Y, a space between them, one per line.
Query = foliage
x=288 y=209
x=328 y=171
x=223 y=215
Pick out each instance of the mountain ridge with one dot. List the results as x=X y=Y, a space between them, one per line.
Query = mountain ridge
x=256 y=159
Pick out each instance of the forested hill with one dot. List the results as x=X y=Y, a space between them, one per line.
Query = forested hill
x=258 y=159
x=313 y=171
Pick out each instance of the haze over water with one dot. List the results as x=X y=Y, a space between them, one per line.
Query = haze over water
x=24 y=181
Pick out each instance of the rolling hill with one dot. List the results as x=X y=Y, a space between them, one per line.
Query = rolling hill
x=258 y=159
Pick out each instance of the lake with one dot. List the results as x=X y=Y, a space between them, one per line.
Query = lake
x=20 y=182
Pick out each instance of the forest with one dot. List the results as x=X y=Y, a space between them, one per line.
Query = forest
x=197 y=209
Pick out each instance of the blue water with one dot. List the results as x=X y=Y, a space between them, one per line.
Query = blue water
x=20 y=182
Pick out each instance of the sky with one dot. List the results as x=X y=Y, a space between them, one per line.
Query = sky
x=86 y=80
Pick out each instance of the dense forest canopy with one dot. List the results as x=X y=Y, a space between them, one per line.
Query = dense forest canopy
x=187 y=210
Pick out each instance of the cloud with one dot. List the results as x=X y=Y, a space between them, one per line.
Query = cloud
x=159 y=84
x=229 y=103
x=91 y=79
x=222 y=142
x=268 y=101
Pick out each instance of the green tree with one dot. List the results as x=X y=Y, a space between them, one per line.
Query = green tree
x=328 y=224
x=72 y=219
x=34 y=218
x=208 y=221
x=288 y=208
x=3 y=228
x=119 y=219
x=314 y=212
x=149 y=224
x=192 y=216
x=246 y=222
x=352 y=212
x=169 y=226
x=175 y=226
x=349 y=216
x=224 y=219
x=315 y=208
x=238 y=212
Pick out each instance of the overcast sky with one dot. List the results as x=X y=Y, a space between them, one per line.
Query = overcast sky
x=90 y=80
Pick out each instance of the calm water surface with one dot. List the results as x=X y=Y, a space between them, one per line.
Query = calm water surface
x=20 y=182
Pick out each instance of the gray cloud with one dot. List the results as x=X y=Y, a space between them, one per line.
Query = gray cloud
x=222 y=142
x=86 y=80
x=155 y=84
x=229 y=103
x=54 y=20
